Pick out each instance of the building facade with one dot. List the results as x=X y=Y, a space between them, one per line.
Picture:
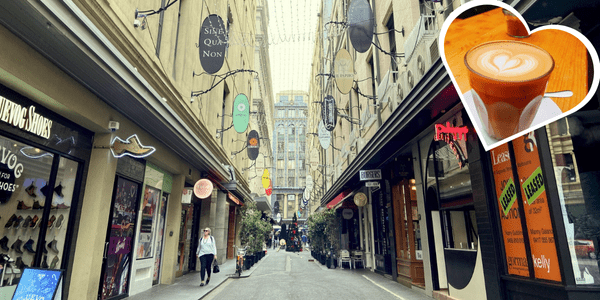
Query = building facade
x=289 y=153
x=128 y=121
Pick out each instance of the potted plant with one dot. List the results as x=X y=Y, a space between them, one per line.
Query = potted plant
x=254 y=230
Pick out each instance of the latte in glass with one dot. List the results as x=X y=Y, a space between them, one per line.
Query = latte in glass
x=509 y=79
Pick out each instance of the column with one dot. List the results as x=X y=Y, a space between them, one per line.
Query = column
x=220 y=228
x=93 y=221
x=173 y=221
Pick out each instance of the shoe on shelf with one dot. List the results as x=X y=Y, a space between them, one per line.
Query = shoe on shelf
x=29 y=246
x=17 y=246
x=27 y=222
x=44 y=262
x=36 y=205
x=53 y=246
x=22 y=205
x=54 y=262
x=17 y=222
x=4 y=243
x=51 y=222
x=45 y=189
x=62 y=206
x=59 y=221
x=58 y=190
x=31 y=190
x=34 y=222
x=52 y=206
x=11 y=220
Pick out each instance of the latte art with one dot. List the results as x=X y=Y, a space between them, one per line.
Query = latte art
x=509 y=61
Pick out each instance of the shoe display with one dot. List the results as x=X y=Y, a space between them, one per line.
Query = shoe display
x=44 y=262
x=31 y=190
x=54 y=262
x=22 y=205
x=62 y=206
x=4 y=243
x=45 y=189
x=52 y=246
x=11 y=220
x=58 y=190
x=29 y=246
x=34 y=222
x=59 y=221
x=51 y=222
x=17 y=222
x=36 y=205
x=20 y=264
x=27 y=222
x=52 y=206
x=17 y=246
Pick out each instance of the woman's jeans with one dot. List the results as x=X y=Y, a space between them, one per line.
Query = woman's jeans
x=206 y=265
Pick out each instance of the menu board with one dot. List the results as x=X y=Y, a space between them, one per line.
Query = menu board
x=516 y=257
x=535 y=204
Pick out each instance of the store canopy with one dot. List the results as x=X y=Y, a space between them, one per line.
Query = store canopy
x=262 y=203
x=339 y=198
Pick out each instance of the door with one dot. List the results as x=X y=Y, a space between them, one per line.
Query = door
x=116 y=265
x=159 y=238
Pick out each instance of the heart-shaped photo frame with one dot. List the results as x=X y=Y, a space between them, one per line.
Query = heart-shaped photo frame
x=513 y=80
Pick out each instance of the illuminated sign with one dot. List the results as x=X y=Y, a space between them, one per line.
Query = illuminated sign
x=370 y=175
x=24 y=118
x=131 y=147
x=451 y=135
x=203 y=188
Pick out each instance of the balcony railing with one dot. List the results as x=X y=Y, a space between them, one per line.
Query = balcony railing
x=425 y=27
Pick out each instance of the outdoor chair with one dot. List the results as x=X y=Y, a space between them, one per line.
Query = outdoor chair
x=357 y=256
x=345 y=257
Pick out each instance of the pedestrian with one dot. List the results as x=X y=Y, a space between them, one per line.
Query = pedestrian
x=207 y=252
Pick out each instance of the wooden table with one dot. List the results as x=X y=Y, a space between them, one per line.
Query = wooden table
x=570 y=55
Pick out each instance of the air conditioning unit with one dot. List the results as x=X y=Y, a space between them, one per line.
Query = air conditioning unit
x=401 y=90
x=424 y=55
x=366 y=118
x=383 y=89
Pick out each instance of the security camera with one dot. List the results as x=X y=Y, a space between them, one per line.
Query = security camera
x=136 y=23
x=218 y=135
x=113 y=126
x=192 y=100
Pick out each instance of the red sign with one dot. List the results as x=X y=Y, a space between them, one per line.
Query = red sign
x=451 y=135
x=339 y=198
x=203 y=188
x=269 y=190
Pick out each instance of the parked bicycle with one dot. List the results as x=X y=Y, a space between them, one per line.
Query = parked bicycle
x=239 y=265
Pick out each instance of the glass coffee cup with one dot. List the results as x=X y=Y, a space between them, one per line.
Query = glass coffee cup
x=508 y=81
x=514 y=26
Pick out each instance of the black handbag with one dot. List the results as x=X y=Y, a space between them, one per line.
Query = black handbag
x=215 y=266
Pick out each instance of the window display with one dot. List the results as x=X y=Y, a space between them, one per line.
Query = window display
x=146 y=238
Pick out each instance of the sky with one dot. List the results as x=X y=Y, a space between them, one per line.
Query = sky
x=292 y=28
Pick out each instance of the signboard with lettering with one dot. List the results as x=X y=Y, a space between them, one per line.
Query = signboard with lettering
x=253 y=144
x=510 y=220
x=343 y=69
x=537 y=213
x=374 y=184
x=213 y=43
x=241 y=113
x=266 y=180
x=309 y=182
x=314 y=159
x=324 y=136
x=186 y=195
x=370 y=175
x=39 y=284
x=456 y=138
x=203 y=188
x=329 y=113
x=361 y=22
x=24 y=118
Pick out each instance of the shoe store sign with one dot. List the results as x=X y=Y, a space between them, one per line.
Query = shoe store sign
x=10 y=169
x=131 y=147
x=24 y=118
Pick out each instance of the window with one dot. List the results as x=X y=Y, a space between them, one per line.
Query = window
x=281 y=113
x=281 y=139
x=291 y=134
x=291 y=205
x=280 y=164
x=291 y=181
x=291 y=164
x=298 y=99
x=291 y=113
x=392 y=40
x=283 y=98
x=301 y=113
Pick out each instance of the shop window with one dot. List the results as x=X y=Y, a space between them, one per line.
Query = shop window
x=574 y=143
x=291 y=205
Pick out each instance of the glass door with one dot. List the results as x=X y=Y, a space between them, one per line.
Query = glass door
x=159 y=238
x=119 y=241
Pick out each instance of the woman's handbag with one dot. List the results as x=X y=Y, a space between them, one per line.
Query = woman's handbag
x=215 y=266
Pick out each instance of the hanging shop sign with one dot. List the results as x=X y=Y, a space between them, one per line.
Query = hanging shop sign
x=253 y=145
x=343 y=68
x=360 y=199
x=265 y=179
x=373 y=184
x=370 y=175
x=329 y=113
x=314 y=159
x=309 y=182
x=241 y=113
x=347 y=213
x=130 y=147
x=306 y=194
x=452 y=136
x=213 y=43
x=24 y=118
x=510 y=220
x=537 y=213
x=361 y=23
x=269 y=190
x=203 y=188
x=324 y=136
x=39 y=284
x=186 y=195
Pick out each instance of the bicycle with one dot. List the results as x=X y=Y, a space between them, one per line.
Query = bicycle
x=239 y=265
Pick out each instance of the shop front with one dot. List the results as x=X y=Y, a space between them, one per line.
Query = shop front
x=42 y=173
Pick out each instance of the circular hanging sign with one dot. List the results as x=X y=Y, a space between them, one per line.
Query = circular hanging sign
x=203 y=188
x=360 y=199
x=343 y=69
x=309 y=182
x=314 y=159
x=361 y=23
x=324 y=136
x=329 y=113
x=265 y=179
x=347 y=213
x=253 y=145
x=213 y=43
x=241 y=113
x=269 y=190
x=306 y=194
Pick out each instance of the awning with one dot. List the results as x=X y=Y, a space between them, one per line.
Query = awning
x=234 y=199
x=262 y=203
x=339 y=198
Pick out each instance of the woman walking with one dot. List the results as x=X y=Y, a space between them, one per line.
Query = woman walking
x=207 y=251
